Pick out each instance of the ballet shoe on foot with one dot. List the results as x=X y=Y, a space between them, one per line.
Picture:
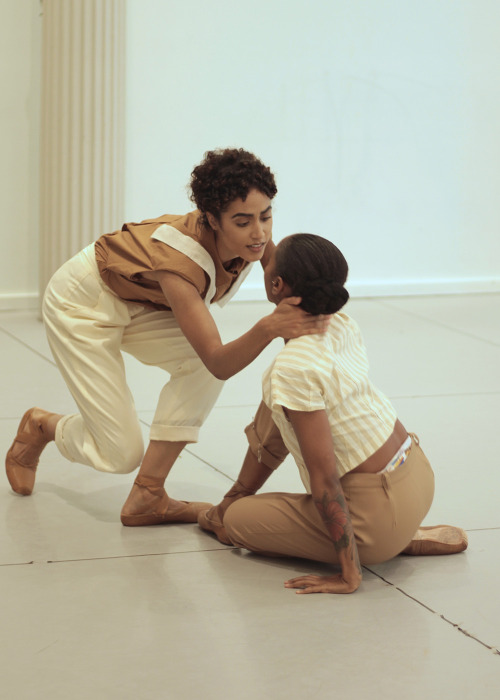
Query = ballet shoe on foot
x=210 y=520
x=21 y=466
x=436 y=540
x=162 y=514
x=155 y=507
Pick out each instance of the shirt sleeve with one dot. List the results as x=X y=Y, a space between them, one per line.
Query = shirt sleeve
x=295 y=387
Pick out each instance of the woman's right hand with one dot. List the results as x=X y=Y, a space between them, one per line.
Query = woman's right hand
x=290 y=321
x=338 y=583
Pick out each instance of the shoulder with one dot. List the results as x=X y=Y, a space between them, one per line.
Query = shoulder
x=319 y=353
x=303 y=358
x=297 y=378
x=188 y=224
x=308 y=349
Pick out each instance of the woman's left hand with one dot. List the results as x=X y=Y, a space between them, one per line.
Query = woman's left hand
x=324 y=584
x=290 y=321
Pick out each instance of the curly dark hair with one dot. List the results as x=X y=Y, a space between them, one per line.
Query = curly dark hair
x=227 y=174
x=315 y=270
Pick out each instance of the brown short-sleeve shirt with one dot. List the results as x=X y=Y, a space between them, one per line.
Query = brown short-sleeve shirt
x=123 y=257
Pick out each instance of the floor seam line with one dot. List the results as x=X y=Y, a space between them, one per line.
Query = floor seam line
x=445 y=619
x=19 y=563
x=440 y=324
x=443 y=396
x=131 y=556
x=28 y=347
x=219 y=471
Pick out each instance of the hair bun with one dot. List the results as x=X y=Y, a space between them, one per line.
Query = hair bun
x=323 y=296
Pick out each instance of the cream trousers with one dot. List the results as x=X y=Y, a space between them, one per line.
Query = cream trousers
x=88 y=327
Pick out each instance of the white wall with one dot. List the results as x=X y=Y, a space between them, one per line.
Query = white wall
x=380 y=119
x=20 y=31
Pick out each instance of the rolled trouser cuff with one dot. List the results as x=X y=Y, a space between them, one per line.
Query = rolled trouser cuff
x=174 y=433
x=265 y=440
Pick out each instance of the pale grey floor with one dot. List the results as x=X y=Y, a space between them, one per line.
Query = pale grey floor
x=90 y=609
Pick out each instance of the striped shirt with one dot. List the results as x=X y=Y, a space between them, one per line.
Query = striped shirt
x=330 y=372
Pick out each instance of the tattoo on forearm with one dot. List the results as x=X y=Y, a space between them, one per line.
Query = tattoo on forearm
x=333 y=509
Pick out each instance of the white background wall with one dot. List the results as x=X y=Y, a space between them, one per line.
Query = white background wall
x=380 y=119
x=20 y=32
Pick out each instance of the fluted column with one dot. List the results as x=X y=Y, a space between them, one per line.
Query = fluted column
x=82 y=130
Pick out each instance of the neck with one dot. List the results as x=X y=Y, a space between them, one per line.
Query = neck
x=225 y=255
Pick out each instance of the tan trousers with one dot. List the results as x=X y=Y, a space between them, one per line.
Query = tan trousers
x=88 y=327
x=386 y=509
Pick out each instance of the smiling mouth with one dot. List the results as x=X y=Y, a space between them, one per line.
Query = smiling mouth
x=257 y=246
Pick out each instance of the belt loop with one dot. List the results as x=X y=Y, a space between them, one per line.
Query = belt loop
x=414 y=437
x=388 y=490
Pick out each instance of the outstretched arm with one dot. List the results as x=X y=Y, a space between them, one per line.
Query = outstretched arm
x=314 y=437
x=197 y=324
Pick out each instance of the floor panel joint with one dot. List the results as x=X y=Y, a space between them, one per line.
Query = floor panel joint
x=434 y=612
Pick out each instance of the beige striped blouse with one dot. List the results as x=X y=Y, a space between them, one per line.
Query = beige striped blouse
x=330 y=372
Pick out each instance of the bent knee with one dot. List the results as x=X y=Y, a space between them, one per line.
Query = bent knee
x=237 y=518
x=127 y=465
x=121 y=459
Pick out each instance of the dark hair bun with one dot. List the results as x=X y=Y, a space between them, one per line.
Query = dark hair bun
x=314 y=269
x=322 y=296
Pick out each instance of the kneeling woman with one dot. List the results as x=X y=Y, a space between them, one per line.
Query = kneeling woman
x=146 y=290
x=368 y=482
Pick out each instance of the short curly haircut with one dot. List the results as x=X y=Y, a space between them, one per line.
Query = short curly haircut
x=227 y=174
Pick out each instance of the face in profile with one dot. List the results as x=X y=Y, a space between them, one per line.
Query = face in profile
x=244 y=228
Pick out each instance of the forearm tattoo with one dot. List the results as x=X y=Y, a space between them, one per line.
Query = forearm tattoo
x=333 y=509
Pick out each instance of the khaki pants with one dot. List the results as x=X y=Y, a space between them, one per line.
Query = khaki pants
x=88 y=327
x=386 y=508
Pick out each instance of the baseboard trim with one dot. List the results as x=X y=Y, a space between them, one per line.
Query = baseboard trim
x=255 y=292
x=373 y=289
x=17 y=302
